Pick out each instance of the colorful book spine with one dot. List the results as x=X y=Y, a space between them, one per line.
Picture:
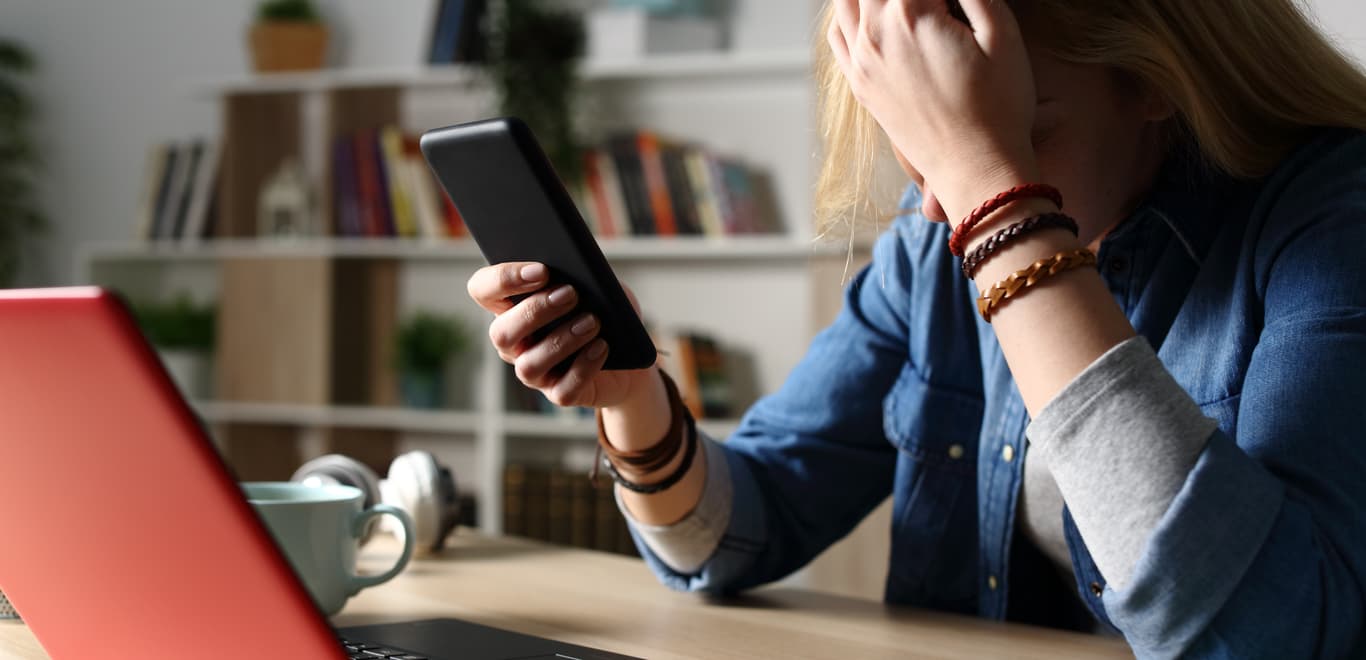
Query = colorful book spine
x=626 y=155
x=396 y=181
x=597 y=192
x=656 y=184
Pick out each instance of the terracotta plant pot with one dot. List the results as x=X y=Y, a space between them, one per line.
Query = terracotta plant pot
x=285 y=46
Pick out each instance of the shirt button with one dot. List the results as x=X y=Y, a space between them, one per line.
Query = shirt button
x=992 y=583
x=955 y=452
x=1117 y=265
x=1097 y=590
x=1007 y=453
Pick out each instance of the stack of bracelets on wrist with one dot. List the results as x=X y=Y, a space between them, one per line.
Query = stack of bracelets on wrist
x=682 y=429
x=1014 y=285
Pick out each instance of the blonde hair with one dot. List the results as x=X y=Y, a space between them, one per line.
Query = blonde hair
x=1248 y=80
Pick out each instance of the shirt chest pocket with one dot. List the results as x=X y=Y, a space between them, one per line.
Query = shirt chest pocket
x=934 y=495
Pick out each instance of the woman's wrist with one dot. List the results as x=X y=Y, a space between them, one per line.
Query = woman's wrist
x=641 y=420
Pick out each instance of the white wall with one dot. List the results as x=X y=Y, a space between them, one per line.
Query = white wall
x=1345 y=20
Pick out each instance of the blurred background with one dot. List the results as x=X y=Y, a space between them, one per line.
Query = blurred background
x=244 y=173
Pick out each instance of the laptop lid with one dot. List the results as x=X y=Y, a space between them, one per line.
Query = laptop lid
x=123 y=533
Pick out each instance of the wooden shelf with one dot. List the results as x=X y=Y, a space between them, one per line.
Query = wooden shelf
x=359 y=417
x=522 y=425
x=618 y=249
x=533 y=425
x=658 y=67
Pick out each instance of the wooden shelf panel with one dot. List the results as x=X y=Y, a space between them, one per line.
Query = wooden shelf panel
x=678 y=248
x=532 y=425
x=658 y=67
x=360 y=417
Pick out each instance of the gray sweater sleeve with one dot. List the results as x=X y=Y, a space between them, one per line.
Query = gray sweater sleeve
x=687 y=544
x=1120 y=440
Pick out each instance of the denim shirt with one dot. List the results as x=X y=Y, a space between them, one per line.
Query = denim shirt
x=1253 y=294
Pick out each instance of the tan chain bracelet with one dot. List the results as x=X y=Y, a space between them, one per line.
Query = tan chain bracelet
x=1022 y=280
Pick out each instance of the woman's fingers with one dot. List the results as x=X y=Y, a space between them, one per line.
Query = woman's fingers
x=576 y=386
x=988 y=18
x=511 y=330
x=847 y=18
x=535 y=365
x=493 y=287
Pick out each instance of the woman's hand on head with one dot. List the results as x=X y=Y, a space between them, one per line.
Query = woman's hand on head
x=518 y=332
x=956 y=101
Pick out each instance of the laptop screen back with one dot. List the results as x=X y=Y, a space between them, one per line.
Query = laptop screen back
x=123 y=534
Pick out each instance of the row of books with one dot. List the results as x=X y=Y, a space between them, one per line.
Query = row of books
x=458 y=34
x=179 y=185
x=639 y=184
x=382 y=187
x=563 y=507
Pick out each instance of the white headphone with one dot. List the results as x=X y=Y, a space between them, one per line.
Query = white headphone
x=417 y=483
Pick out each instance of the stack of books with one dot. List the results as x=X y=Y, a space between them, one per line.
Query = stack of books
x=638 y=184
x=563 y=507
x=382 y=187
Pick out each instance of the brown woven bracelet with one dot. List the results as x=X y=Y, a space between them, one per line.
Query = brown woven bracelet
x=1017 y=283
x=656 y=456
x=1014 y=232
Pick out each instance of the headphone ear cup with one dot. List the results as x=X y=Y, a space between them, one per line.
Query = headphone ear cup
x=418 y=484
x=346 y=471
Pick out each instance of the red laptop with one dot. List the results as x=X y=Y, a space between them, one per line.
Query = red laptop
x=123 y=534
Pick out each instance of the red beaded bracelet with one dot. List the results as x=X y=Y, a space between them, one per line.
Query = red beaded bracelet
x=1025 y=191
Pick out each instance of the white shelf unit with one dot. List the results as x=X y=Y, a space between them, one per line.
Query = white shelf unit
x=764 y=296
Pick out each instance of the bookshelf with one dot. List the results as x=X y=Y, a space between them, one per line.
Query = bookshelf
x=315 y=388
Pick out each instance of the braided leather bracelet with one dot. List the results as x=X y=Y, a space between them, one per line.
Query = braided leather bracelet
x=1017 y=283
x=1012 y=233
x=1026 y=191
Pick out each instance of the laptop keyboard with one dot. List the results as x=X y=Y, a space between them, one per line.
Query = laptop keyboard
x=363 y=651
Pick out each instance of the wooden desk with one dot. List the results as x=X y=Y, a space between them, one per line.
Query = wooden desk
x=613 y=603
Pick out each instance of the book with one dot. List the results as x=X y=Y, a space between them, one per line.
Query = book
x=422 y=186
x=171 y=178
x=472 y=46
x=158 y=157
x=604 y=223
x=514 y=500
x=581 y=500
x=348 y=216
x=714 y=386
x=395 y=180
x=558 y=501
x=656 y=184
x=370 y=194
x=536 y=506
x=183 y=190
x=630 y=172
x=203 y=192
x=681 y=192
x=705 y=195
x=614 y=195
x=446 y=31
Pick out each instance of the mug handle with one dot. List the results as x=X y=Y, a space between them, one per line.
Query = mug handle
x=358 y=525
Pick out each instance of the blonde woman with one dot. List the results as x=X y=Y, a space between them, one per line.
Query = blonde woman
x=1147 y=416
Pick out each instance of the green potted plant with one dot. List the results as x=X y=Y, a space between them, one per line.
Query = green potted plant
x=19 y=214
x=288 y=35
x=183 y=334
x=426 y=344
x=534 y=63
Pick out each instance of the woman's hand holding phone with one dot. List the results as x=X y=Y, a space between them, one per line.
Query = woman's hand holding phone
x=523 y=305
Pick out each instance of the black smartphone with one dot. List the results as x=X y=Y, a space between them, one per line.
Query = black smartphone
x=517 y=209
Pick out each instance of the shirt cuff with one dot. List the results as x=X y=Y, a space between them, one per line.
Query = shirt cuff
x=1120 y=440
x=687 y=544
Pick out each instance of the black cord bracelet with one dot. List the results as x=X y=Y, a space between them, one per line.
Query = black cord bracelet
x=669 y=481
x=1002 y=238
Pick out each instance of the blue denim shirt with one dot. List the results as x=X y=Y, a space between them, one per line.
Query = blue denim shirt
x=1254 y=295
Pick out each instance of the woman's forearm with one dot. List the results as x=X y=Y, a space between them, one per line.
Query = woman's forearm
x=637 y=424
